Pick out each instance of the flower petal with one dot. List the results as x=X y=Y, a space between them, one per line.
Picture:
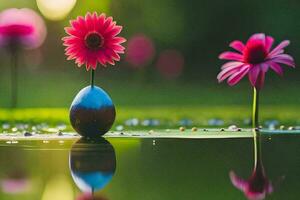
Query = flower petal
x=264 y=67
x=228 y=55
x=279 y=48
x=225 y=73
x=269 y=43
x=238 y=182
x=276 y=67
x=257 y=37
x=236 y=77
x=229 y=64
x=237 y=45
x=284 y=59
x=253 y=74
x=260 y=80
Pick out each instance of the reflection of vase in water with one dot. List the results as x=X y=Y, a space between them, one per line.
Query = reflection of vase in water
x=257 y=187
x=92 y=164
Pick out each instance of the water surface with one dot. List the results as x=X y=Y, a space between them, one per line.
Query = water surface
x=148 y=169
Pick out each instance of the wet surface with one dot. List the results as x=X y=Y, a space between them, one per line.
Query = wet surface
x=151 y=169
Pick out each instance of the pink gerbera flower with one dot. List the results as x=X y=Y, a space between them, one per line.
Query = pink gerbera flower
x=254 y=59
x=93 y=39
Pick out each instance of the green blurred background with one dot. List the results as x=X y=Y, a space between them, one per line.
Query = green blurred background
x=198 y=31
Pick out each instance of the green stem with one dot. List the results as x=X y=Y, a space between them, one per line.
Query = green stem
x=14 y=78
x=257 y=149
x=92 y=77
x=255 y=111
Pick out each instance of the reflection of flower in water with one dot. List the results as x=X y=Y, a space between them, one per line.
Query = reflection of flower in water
x=15 y=184
x=140 y=50
x=88 y=196
x=21 y=27
x=170 y=63
x=258 y=186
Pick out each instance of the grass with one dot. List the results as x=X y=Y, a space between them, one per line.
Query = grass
x=44 y=96
x=168 y=115
x=54 y=89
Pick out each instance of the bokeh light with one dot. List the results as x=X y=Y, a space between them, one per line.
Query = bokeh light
x=170 y=63
x=55 y=9
x=140 y=50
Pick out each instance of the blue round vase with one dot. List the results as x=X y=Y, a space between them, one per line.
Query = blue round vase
x=92 y=112
x=92 y=164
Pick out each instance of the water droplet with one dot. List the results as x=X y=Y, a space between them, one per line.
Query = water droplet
x=232 y=128
x=14 y=129
x=119 y=128
x=194 y=129
x=282 y=127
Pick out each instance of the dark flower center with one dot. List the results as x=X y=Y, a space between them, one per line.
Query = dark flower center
x=94 y=41
x=255 y=54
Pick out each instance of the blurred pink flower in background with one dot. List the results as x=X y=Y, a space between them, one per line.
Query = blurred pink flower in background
x=93 y=39
x=22 y=27
x=140 y=50
x=170 y=63
x=254 y=59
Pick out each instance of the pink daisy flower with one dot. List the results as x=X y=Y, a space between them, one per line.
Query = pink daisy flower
x=21 y=27
x=93 y=39
x=254 y=58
